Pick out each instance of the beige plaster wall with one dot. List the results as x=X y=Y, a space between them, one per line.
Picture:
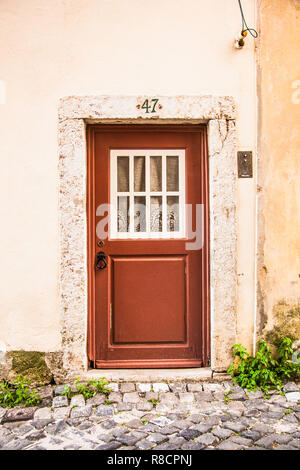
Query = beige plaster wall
x=57 y=48
x=279 y=169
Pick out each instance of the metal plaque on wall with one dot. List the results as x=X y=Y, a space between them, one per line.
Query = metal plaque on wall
x=245 y=167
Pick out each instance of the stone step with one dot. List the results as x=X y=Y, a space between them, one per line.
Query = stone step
x=203 y=374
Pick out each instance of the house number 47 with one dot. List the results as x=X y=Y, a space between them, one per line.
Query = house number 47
x=150 y=106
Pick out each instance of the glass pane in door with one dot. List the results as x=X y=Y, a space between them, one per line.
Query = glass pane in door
x=155 y=173
x=139 y=214
x=172 y=173
x=139 y=174
x=123 y=174
x=123 y=214
x=172 y=213
x=156 y=214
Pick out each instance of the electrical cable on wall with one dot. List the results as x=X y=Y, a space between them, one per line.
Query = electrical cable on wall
x=240 y=41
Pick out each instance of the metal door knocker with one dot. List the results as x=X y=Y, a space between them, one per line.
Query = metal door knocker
x=101 y=261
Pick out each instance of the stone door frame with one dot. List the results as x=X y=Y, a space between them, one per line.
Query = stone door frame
x=75 y=112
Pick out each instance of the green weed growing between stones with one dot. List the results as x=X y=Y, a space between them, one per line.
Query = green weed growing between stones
x=89 y=389
x=18 y=393
x=153 y=401
x=263 y=371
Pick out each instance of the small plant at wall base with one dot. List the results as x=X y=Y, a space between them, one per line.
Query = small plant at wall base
x=17 y=393
x=263 y=371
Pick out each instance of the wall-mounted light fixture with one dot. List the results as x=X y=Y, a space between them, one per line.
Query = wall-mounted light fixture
x=240 y=40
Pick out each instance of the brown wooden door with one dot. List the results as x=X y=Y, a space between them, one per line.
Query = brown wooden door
x=149 y=306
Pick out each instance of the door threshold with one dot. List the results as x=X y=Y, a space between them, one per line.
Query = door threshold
x=198 y=374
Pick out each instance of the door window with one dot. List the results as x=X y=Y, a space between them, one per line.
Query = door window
x=147 y=193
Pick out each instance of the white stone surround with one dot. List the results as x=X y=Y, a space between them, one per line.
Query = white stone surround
x=219 y=114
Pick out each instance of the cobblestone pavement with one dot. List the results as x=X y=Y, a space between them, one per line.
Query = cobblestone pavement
x=158 y=416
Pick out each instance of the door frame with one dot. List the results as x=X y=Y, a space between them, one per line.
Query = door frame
x=74 y=114
x=91 y=129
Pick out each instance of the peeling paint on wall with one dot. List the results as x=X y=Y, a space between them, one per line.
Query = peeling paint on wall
x=286 y=318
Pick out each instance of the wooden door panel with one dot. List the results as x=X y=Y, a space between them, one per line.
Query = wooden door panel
x=150 y=306
x=143 y=298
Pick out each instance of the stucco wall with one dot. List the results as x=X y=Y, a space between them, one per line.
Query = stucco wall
x=121 y=47
x=279 y=169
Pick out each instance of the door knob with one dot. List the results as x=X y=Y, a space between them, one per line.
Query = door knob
x=101 y=261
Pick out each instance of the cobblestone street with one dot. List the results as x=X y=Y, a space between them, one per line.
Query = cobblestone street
x=158 y=416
